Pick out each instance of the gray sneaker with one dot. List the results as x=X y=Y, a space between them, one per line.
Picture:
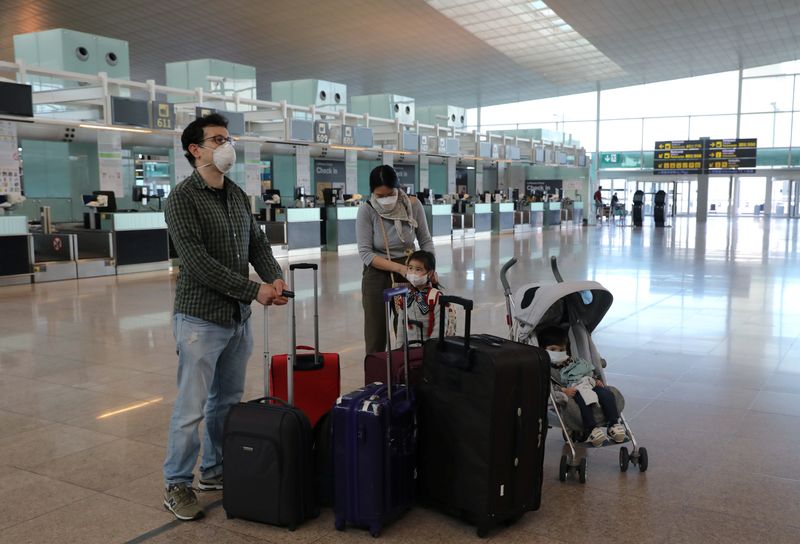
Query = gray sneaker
x=210 y=484
x=181 y=501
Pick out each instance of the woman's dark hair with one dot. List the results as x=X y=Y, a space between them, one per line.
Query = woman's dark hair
x=552 y=336
x=425 y=257
x=383 y=176
x=194 y=134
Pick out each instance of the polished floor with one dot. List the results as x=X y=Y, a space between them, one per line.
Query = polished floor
x=702 y=339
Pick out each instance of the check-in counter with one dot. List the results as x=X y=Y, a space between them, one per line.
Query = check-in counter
x=340 y=228
x=440 y=221
x=537 y=214
x=302 y=229
x=95 y=252
x=577 y=212
x=552 y=214
x=481 y=218
x=16 y=249
x=140 y=242
x=54 y=257
x=502 y=217
x=522 y=219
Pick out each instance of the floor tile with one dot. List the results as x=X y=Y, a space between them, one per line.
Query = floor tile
x=25 y=496
x=105 y=466
x=46 y=443
x=99 y=519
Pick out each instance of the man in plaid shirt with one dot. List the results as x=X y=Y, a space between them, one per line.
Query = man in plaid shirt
x=216 y=237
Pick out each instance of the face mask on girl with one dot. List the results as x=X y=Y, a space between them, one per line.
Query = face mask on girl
x=224 y=158
x=417 y=280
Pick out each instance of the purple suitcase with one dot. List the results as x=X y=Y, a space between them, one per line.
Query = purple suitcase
x=374 y=452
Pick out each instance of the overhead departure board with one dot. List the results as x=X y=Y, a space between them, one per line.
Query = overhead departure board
x=731 y=156
x=678 y=157
x=705 y=156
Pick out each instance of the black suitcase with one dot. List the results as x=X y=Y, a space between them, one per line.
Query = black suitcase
x=482 y=426
x=268 y=472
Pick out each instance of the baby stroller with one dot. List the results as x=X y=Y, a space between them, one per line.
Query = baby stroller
x=580 y=306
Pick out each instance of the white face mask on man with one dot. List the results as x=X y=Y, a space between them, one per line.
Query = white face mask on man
x=224 y=158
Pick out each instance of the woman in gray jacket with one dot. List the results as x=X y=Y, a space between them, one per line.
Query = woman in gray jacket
x=386 y=229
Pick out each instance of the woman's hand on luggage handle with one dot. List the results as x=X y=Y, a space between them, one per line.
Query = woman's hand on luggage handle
x=599 y=383
x=569 y=391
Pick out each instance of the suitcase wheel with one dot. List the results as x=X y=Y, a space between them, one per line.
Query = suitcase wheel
x=292 y=527
x=482 y=532
x=228 y=515
x=339 y=524
x=375 y=531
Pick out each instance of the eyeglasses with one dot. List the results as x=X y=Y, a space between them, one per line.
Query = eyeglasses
x=219 y=139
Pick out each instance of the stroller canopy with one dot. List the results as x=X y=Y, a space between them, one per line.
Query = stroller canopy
x=545 y=304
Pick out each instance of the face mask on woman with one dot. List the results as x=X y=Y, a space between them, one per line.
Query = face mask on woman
x=387 y=202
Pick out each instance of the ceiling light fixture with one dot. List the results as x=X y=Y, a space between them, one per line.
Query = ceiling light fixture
x=119 y=129
x=534 y=36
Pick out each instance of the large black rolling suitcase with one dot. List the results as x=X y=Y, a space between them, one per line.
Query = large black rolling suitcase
x=482 y=412
x=268 y=465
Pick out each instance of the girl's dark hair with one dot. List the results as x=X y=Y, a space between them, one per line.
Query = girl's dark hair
x=383 y=176
x=552 y=336
x=425 y=257
x=194 y=133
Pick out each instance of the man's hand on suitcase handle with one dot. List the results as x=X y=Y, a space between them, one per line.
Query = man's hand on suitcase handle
x=275 y=293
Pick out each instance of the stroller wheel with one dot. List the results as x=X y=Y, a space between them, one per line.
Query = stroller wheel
x=582 y=471
x=563 y=469
x=642 y=459
x=624 y=459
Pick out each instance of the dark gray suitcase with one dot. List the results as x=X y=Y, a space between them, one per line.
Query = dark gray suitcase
x=268 y=471
x=482 y=411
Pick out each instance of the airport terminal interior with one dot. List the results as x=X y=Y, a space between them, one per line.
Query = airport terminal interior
x=646 y=146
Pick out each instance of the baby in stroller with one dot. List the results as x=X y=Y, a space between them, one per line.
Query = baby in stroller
x=575 y=377
x=572 y=311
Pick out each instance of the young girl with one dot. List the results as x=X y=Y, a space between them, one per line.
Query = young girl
x=422 y=303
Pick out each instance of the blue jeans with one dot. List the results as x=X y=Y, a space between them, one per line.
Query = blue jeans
x=607 y=403
x=212 y=363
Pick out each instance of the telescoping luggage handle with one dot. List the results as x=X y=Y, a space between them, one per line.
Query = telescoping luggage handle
x=268 y=359
x=388 y=296
x=292 y=353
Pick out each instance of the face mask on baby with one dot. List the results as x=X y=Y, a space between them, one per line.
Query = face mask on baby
x=558 y=357
x=417 y=280
x=387 y=202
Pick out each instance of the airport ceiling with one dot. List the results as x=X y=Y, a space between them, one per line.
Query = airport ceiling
x=459 y=52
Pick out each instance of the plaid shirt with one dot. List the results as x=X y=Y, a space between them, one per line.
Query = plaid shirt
x=216 y=237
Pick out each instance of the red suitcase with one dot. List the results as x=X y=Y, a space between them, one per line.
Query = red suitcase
x=375 y=363
x=316 y=374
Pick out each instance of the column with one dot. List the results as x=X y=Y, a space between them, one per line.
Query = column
x=424 y=179
x=702 y=198
x=768 y=198
x=451 y=175
x=350 y=171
